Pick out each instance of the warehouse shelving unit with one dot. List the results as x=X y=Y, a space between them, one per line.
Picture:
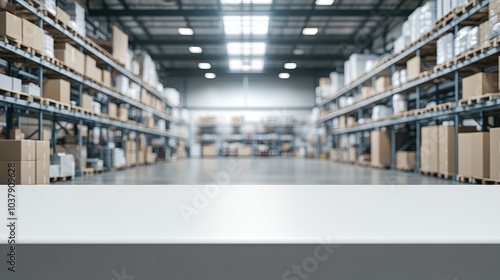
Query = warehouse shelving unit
x=18 y=104
x=442 y=83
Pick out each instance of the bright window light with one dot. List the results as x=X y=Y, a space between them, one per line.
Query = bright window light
x=246 y=1
x=204 y=66
x=186 y=31
x=246 y=64
x=210 y=76
x=246 y=48
x=237 y=25
x=310 y=31
x=284 y=76
x=195 y=50
x=324 y=2
x=290 y=66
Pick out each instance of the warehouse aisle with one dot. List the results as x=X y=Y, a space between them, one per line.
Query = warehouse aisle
x=263 y=171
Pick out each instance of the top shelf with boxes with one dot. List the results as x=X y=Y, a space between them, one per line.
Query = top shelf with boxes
x=115 y=61
x=471 y=13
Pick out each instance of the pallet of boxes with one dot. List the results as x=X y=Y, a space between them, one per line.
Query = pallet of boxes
x=25 y=162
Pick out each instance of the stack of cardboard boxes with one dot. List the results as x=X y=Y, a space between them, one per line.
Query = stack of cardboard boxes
x=21 y=31
x=181 y=149
x=25 y=161
x=71 y=57
x=380 y=148
x=150 y=156
x=210 y=120
x=210 y=151
x=131 y=152
x=244 y=151
x=91 y=69
x=141 y=159
x=58 y=90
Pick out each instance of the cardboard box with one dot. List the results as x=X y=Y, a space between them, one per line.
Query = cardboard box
x=480 y=150
x=382 y=84
x=123 y=114
x=71 y=57
x=90 y=67
x=495 y=153
x=5 y=82
x=351 y=121
x=87 y=100
x=33 y=36
x=353 y=154
x=66 y=163
x=11 y=27
x=479 y=84
x=97 y=75
x=72 y=149
x=42 y=150
x=413 y=68
x=366 y=91
x=484 y=34
x=120 y=45
x=342 y=121
x=42 y=172
x=106 y=78
x=447 y=144
x=112 y=110
x=244 y=151
x=465 y=154
x=57 y=89
x=209 y=151
x=381 y=148
x=62 y=16
x=325 y=82
x=17 y=150
x=429 y=150
x=23 y=173
x=16 y=134
x=406 y=160
x=6 y=6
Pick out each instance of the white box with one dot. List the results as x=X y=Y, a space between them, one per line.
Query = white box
x=5 y=82
x=54 y=170
x=31 y=89
x=17 y=85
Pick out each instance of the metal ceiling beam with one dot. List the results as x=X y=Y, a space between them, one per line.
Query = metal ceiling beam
x=183 y=72
x=217 y=40
x=274 y=13
x=269 y=57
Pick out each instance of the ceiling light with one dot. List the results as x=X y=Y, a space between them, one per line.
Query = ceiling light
x=204 y=66
x=324 y=2
x=284 y=76
x=290 y=66
x=310 y=31
x=186 y=31
x=235 y=2
x=246 y=48
x=210 y=76
x=195 y=50
x=298 y=52
x=237 y=25
x=246 y=64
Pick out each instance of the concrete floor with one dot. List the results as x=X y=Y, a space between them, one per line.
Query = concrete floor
x=258 y=171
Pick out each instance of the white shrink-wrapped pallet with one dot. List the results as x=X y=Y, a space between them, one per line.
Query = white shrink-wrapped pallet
x=337 y=81
x=445 y=48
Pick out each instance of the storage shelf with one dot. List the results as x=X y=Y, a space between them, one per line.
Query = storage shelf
x=93 y=51
x=408 y=52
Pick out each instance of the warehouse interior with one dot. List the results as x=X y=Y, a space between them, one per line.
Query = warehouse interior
x=249 y=92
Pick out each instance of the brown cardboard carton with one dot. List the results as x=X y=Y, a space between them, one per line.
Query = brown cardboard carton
x=479 y=84
x=447 y=144
x=209 y=151
x=23 y=172
x=413 y=68
x=17 y=150
x=495 y=153
x=351 y=121
x=324 y=82
x=382 y=84
x=480 y=149
x=63 y=16
x=33 y=36
x=484 y=34
x=353 y=154
x=381 y=148
x=123 y=114
x=87 y=100
x=465 y=154
x=106 y=78
x=406 y=160
x=42 y=150
x=16 y=134
x=366 y=91
x=90 y=66
x=244 y=151
x=6 y=6
x=112 y=110
x=11 y=26
x=71 y=57
x=42 y=172
x=97 y=75
x=57 y=89
x=342 y=122
x=429 y=150
x=120 y=45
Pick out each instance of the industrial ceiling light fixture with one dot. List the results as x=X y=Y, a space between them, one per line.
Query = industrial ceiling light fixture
x=195 y=49
x=290 y=66
x=204 y=66
x=236 y=64
x=284 y=76
x=210 y=76
x=310 y=31
x=324 y=2
x=186 y=31
x=254 y=25
x=246 y=48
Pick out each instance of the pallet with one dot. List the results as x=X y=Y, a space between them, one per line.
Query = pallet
x=477 y=180
x=55 y=103
x=380 y=166
x=17 y=95
x=100 y=170
x=428 y=173
x=478 y=99
x=62 y=179
x=446 y=176
x=82 y=110
x=443 y=66
x=10 y=41
x=88 y=172
x=405 y=169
